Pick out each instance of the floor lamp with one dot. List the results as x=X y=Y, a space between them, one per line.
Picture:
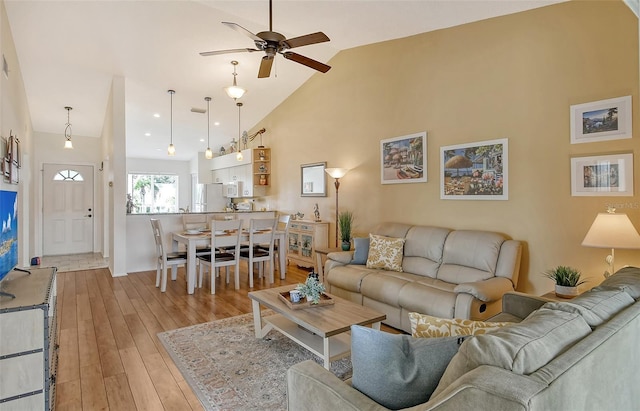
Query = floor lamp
x=611 y=230
x=336 y=173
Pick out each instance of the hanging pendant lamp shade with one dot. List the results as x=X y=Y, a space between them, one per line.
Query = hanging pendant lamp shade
x=239 y=156
x=171 y=150
x=67 y=130
x=208 y=154
x=234 y=91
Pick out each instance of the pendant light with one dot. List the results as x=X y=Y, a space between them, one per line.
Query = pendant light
x=208 y=154
x=171 y=150
x=239 y=156
x=67 y=130
x=234 y=91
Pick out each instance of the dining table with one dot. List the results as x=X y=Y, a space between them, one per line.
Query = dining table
x=192 y=240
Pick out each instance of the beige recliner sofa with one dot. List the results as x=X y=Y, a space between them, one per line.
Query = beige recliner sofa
x=446 y=273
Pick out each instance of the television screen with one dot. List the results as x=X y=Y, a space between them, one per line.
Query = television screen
x=9 y=235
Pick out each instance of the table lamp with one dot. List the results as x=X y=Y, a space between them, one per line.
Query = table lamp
x=611 y=230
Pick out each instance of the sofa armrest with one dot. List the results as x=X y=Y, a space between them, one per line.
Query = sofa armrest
x=521 y=304
x=311 y=387
x=344 y=257
x=487 y=290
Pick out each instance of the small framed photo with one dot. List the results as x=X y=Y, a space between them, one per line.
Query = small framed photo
x=601 y=120
x=610 y=175
x=475 y=171
x=404 y=159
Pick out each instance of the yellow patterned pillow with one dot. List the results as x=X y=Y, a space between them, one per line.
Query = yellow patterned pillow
x=385 y=252
x=426 y=326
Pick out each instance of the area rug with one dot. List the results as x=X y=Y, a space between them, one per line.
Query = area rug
x=228 y=368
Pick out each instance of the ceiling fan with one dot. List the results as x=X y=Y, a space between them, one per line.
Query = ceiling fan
x=271 y=43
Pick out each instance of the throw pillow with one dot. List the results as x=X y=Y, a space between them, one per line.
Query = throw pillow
x=596 y=306
x=427 y=326
x=385 y=252
x=361 y=252
x=397 y=370
x=520 y=348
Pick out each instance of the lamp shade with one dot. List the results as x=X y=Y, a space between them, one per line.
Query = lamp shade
x=610 y=230
x=234 y=91
x=336 y=172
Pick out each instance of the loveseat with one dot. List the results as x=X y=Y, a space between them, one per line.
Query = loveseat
x=445 y=273
x=576 y=355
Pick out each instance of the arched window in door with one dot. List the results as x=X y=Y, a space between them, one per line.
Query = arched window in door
x=68 y=175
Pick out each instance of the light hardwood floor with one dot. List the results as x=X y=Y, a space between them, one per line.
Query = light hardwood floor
x=110 y=357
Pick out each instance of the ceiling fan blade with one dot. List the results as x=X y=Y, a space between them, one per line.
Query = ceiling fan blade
x=215 y=53
x=313 y=38
x=242 y=30
x=316 y=65
x=265 y=67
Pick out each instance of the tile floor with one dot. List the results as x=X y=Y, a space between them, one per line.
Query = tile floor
x=75 y=262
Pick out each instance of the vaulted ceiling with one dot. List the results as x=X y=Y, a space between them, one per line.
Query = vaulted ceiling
x=69 y=51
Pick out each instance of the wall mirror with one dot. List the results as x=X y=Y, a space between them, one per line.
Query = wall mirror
x=314 y=180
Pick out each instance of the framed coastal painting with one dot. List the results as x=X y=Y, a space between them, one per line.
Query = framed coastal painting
x=475 y=171
x=601 y=120
x=404 y=159
x=610 y=175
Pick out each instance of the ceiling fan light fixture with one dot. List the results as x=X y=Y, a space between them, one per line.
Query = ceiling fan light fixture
x=67 y=130
x=208 y=154
x=171 y=150
x=234 y=91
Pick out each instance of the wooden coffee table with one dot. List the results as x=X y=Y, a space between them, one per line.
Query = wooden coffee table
x=321 y=330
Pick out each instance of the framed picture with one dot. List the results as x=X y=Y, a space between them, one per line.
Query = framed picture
x=313 y=182
x=475 y=171
x=404 y=159
x=601 y=120
x=610 y=175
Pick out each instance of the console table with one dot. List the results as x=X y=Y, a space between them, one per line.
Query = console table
x=28 y=343
x=304 y=238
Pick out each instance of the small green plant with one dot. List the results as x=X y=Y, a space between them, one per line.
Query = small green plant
x=312 y=289
x=345 y=222
x=565 y=276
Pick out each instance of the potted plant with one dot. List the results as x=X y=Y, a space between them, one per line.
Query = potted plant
x=567 y=280
x=312 y=289
x=345 y=222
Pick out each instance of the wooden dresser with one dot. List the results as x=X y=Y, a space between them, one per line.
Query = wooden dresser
x=28 y=343
x=304 y=237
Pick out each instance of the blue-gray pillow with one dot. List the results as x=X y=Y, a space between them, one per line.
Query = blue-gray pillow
x=361 y=252
x=396 y=370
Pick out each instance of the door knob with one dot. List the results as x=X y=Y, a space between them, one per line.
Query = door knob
x=89 y=215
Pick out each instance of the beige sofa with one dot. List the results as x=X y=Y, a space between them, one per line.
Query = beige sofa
x=587 y=360
x=446 y=273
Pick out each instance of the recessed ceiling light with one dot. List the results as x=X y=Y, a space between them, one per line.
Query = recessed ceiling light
x=156 y=115
x=157 y=149
x=217 y=123
x=147 y=134
x=202 y=140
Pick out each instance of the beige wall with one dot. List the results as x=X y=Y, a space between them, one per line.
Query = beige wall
x=510 y=77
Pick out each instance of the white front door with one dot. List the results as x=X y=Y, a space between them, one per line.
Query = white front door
x=68 y=209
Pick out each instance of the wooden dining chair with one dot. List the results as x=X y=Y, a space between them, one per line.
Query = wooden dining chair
x=260 y=249
x=165 y=258
x=225 y=237
x=282 y=225
x=197 y=221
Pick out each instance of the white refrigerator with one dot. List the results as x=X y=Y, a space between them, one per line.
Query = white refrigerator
x=215 y=201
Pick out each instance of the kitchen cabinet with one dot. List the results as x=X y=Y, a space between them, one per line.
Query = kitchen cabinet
x=304 y=238
x=28 y=343
x=220 y=176
x=254 y=170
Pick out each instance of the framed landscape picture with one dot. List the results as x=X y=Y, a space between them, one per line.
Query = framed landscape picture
x=601 y=120
x=475 y=171
x=404 y=159
x=610 y=175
